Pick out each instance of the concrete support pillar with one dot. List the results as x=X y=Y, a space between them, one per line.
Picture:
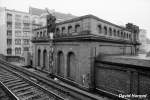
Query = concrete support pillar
x=65 y=66
x=41 y=59
x=35 y=57
x=55 y=67
x=46 y=65
x=92 y=69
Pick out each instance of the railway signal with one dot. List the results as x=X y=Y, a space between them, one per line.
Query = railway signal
x=51 y=26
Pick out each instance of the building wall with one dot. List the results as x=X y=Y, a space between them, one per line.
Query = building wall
x=121 y=78
x=3 y=33
x=82 y=58
x=101 y=32
x=112 y=80
x=16 y=30
x=77 y=46
x=84 y=26
x=83 y=52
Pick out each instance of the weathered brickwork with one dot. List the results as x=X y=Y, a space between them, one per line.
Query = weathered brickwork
x=76 y=43
x=116 y=77
x=144 y=84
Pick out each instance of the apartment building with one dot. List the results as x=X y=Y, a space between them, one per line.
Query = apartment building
x=15 y=32
x=16 y=29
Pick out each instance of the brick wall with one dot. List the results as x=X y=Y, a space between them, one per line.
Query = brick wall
x=122 y=78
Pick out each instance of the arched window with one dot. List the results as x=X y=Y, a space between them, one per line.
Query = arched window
x=60 y=63
x=71 y=66
x=44 y=33
x=114 y=32
x=110 y=31
x=121 y=34
x=16 y=41
x=99 y=29
x=19 y=41
x=16 y=50
x=63 y=30
x=127 y=36
x=105 y=30
x=69 y=29
x=9 y=51
x=118 y=33
x=41 y=34
x=19 y=50
x=38 y=34
x=39 y=56
x=57 y=31
x=44 y=58
x=77 y=28
x=124 y=35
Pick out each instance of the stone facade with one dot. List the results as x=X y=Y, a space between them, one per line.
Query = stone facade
x=76 y=42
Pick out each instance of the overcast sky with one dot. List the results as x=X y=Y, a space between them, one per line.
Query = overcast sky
x=119 y=12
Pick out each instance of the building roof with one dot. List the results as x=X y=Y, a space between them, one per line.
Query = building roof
x=91 y=16
x=58 y=15
x=88 y=16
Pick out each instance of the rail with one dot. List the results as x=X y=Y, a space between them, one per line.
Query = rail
x=9 y=93
x=56 y=96
x=60 y=86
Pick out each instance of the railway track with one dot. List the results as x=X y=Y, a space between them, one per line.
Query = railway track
x=56 y=90
x=23 y=88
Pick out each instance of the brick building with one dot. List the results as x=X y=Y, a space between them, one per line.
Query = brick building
x=77 y=42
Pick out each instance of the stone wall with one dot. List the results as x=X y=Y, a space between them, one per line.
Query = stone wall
x=83 y=51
